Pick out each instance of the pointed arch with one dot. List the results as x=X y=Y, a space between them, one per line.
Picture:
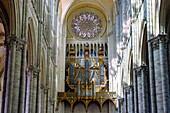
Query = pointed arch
x=95 y=102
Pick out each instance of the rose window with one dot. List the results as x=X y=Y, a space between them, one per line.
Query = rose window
x=86 y=25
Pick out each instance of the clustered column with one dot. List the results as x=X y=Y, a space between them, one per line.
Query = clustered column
x=141 y=92
x=159 y=73
x=126 y=104
x=14 y=98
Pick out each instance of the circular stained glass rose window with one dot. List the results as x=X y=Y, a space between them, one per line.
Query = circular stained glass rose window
x=86 y=25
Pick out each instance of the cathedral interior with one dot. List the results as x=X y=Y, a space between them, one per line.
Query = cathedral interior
x=84 y=56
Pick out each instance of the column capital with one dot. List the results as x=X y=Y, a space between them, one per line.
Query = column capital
x=45 y=89
x=138 y=71
x=11 y=40
x=34 y=70
x=121 y=100
x=126 y=89
x=131 y=87
x=160 y=38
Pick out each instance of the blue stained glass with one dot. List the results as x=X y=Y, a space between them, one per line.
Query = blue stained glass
x=86 y=25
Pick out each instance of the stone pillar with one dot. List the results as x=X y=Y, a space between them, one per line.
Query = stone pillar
x=164 y=72
x=151 y=78
x=34 y=89
x=144 y=89
x=48 y=78
x=45 y=100
x=128 y=100
x=30 y=94
x=135 y=91
x=139 y=86
x=17 y=75
x=42 y=99
x=4 y=90
x=29 y=73
x=125 y=100
x=158 y=80
x=23 y=79
x=10 y=75
x=131 y=99
x=120 y=105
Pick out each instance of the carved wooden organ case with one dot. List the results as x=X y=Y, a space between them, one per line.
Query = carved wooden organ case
x=86 y=82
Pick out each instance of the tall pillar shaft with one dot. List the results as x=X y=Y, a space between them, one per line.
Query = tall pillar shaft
x=139 y=85
x=23 y=79
x=164 y=73
x=131 y=100
x=119 y=106
x=135 y=91
x=125 y=100
x=10 y=76
x=151 y=78
x=17 y=76
x=128 y=100
x=144 y=89
x=158 y=81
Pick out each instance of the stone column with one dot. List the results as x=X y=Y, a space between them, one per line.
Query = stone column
x=144 y=89
x=128 y=100
x=23 y=79
x=158 y=79
x=131 y=99
x=48 y=77
x=164 y=72
x=10 y=75
x=34 y=89
x=135 y=91
x=30 y=94
x=120 y=105
x=29 y=73
x=125 y=100
x=139 y=86
x=42 y=99
x=151 y=78
x=4 y=90
x=45 y=100
x=17 y=75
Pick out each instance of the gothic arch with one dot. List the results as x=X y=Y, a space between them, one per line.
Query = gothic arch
x=108 y=100
x=31 y=26
x=162 y=16
x=13 y=16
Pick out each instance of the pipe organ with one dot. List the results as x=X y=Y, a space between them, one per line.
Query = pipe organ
x=86 y=74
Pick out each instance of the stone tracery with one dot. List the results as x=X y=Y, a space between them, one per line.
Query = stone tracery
x=86 y=25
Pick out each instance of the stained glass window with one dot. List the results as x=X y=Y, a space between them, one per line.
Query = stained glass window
x=86 y=25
